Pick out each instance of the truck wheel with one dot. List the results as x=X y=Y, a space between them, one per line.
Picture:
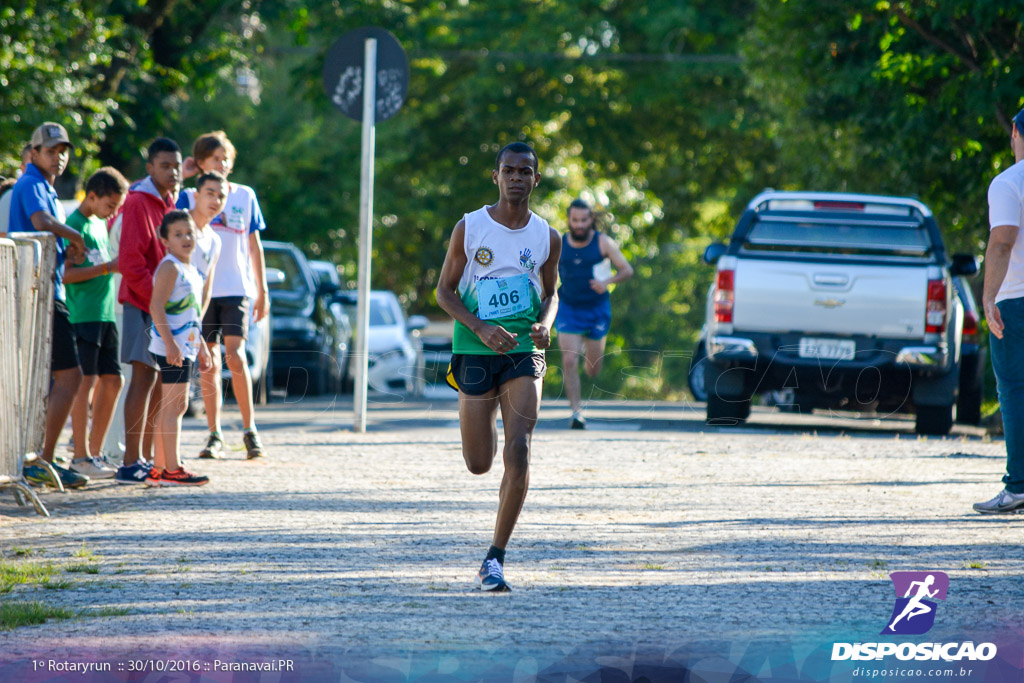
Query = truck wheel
x=935 y=420
x=696 y=376
x=727 y=411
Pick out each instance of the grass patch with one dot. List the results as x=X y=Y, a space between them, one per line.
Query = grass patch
x=974 y=564
x=15 y=614
x=56 y=585
x=83 y=568
x=654 y=567
x=84 y=553
x=877 y=564
x=15 y=573
x=23 y=552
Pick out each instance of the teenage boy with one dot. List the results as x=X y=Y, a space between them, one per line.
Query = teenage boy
x=91 y=296
x=498 y=283
x=140 y=253
x=238 y=280
x=35 y=208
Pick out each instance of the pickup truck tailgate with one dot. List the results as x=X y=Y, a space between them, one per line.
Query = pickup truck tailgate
x=826 y=298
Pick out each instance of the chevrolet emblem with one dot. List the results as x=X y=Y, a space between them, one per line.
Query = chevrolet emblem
x=829 y=303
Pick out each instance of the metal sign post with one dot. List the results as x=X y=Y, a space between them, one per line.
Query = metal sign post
x=365 y=233
x=367 y=62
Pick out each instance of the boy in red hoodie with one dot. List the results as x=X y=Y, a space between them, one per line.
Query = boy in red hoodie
x=140 y=253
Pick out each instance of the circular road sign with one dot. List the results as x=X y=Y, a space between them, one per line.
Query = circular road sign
x=343 y=73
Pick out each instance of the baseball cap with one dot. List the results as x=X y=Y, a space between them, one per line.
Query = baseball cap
x=1018 y=120
x=50 y=134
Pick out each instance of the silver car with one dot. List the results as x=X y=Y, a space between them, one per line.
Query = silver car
x=393 y=344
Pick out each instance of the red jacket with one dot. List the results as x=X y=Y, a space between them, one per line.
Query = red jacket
x=141 y=249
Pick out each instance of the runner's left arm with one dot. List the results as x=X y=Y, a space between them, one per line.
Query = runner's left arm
x=610 y=250
x=540 y=332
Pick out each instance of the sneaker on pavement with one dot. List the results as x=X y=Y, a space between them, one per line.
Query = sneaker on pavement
x=105 y=459
x=214 y=449
x=71 y=480
x=94 y=468
x=131 y=474
x=253 y=445
x=1002 y=503
x=37 y=474
x=577 y=422
x=180 y=477
x=491 y=577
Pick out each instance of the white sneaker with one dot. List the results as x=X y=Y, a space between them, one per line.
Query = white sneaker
x=1004 y=502
x=94 y=468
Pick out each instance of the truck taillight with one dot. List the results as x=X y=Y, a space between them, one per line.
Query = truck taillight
x=724 y=296
x=970 y=327
x=935 y=310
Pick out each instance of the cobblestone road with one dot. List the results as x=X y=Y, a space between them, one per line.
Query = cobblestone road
x=649 y=526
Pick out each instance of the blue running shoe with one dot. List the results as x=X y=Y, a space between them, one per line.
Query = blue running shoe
x=34 y=474
x=71 y=480
x=132 y=474
x=37 y=474
x=491 y=577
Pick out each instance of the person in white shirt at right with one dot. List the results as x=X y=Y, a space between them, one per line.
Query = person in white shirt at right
x=1003 y=299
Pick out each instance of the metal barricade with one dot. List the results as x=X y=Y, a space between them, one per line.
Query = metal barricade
x=27 y=264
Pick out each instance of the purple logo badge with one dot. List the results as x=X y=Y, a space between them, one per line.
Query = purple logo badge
x=916 y=592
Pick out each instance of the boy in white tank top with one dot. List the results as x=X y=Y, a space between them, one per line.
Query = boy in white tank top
x=498 y=283
x=176 y=307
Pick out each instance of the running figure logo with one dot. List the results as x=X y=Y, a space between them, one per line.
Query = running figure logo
x=914 y=611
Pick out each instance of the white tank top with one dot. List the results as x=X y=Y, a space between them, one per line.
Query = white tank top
x=512 y=258
x=182 y=308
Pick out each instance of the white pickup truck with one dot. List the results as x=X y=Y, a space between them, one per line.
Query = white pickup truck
x=847 y=300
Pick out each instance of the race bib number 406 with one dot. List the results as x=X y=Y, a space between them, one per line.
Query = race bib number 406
x=503 y=297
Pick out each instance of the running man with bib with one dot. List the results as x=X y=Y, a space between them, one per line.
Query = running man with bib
x=498 y=283
x=585 y=308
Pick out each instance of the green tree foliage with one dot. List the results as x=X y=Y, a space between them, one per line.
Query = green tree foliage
x=113 y=71
x=894 y=97
x=667 y=115
x=638 y=106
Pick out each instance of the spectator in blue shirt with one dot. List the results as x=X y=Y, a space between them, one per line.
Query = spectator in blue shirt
x=34 y=208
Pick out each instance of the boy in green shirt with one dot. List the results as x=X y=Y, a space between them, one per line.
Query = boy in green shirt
x=91 y=298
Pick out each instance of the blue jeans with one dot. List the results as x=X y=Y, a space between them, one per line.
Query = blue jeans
x=1008 y=363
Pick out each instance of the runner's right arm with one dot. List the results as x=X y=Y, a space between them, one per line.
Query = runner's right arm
x=496 y=337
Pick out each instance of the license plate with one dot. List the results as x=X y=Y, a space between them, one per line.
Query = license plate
x=827 y=349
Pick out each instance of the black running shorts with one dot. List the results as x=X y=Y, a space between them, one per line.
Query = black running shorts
x=64 y=353
x=98 y=345
x=226 y=316
x=173 y=374
x=477 y=374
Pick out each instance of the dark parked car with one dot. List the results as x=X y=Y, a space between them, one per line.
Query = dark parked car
x=311 y=336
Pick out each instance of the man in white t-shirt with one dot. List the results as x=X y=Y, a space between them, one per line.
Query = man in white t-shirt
x=1004 y=308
